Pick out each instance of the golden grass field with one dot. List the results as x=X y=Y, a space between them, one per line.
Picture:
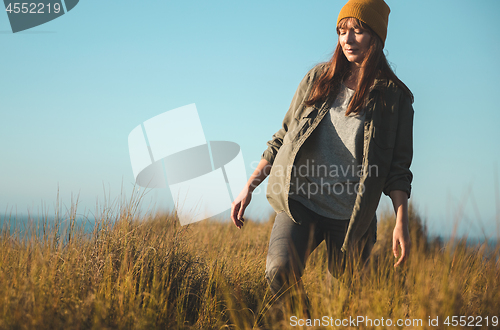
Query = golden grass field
x=150 y=273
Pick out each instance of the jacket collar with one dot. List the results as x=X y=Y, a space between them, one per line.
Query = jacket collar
x=379 y=84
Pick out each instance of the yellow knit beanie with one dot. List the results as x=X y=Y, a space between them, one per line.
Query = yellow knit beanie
x=375 y=13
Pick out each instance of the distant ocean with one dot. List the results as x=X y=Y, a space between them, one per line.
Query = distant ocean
x=18 y=225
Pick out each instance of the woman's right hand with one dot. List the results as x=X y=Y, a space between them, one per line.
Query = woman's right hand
x=239 y=205
x=241 y=202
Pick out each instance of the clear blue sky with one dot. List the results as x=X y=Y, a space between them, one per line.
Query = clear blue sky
x=71 y=91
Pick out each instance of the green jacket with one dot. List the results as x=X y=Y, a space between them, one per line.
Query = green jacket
x=386 y=158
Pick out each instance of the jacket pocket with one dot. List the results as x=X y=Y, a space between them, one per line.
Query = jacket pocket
x=297 y=130
x=384 y=139
x=381 y=151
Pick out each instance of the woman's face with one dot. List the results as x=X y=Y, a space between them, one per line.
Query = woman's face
x=354 y=41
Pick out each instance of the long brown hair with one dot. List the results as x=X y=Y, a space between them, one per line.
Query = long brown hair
x=374 y=65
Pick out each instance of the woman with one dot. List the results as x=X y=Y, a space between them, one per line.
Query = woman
x=346 y=138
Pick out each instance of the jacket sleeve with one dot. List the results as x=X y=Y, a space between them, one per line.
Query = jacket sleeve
x=400 y=176
x=301 y=93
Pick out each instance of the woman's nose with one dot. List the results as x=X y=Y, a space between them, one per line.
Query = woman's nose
x=350 y=37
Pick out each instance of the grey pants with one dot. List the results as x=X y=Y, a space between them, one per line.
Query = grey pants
x=291 y=244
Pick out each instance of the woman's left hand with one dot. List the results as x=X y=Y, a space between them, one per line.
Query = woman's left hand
x=401 y=234
x=401 y=238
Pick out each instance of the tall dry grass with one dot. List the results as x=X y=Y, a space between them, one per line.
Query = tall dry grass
x=148 y=272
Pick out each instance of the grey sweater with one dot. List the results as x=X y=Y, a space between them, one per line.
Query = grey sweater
x=325 y=175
